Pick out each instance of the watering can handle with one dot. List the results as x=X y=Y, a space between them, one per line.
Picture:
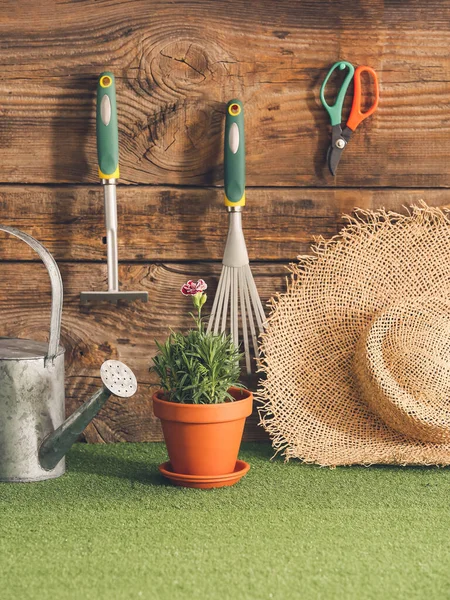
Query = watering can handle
x=56 y=282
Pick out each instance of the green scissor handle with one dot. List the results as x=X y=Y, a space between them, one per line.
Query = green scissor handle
x=107 y=128
x=234 y=154
x=335 y=111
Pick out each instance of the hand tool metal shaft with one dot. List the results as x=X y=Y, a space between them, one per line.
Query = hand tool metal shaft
x=109 y=188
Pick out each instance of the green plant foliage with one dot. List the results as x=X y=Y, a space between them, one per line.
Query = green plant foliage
x=197 y=367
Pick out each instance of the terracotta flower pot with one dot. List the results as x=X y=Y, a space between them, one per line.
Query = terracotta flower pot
x=203 y=439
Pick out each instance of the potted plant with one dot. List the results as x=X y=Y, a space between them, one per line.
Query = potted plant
x=201 y=405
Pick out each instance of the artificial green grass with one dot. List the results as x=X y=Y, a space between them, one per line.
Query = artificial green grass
x=111 y=528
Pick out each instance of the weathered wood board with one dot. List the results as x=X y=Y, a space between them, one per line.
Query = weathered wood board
x=177 y=63
x=173 y=224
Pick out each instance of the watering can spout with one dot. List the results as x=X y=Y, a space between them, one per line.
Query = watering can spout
x=117 y=379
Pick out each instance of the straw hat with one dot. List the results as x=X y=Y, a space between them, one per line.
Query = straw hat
x=402 y=364
x=357 y=353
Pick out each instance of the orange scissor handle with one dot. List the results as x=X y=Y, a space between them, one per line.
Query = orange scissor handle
x=356 y=116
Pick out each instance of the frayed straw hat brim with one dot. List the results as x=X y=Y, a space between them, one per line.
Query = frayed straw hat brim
x=312 y=405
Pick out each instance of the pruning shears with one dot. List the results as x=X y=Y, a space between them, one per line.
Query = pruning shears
x=340 y=135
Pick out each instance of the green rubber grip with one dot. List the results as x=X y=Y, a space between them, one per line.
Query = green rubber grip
x=335 y=111
x=234 y=154
x=107 y=129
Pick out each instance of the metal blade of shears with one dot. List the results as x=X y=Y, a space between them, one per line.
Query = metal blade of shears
x=339 y=140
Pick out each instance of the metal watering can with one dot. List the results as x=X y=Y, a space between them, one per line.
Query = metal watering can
x=34 y=435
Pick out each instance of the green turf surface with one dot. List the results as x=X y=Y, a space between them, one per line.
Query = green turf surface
x=111 y=528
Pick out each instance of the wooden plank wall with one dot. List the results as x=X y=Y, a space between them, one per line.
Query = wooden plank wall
x=176 y=64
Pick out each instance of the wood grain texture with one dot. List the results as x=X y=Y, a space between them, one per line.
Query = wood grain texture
x=177 y=63
x=98 y=332
x=172 y=224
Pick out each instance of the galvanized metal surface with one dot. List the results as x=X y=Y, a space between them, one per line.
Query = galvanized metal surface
x=55 y=280
x=31 y=387
x=33 y=434
x=31 y=406
x=58 y=442
x=18 y=349
x=118 y=379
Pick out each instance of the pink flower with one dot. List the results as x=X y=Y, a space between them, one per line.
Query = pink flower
x=201 y=285
x=191 y=288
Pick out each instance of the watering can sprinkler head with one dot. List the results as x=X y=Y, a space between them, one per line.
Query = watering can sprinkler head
x=117 y=379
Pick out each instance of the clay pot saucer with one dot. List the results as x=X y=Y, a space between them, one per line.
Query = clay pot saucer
x=205 y=481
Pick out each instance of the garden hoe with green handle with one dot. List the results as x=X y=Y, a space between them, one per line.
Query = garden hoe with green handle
x=108 y=169
x=236 y=285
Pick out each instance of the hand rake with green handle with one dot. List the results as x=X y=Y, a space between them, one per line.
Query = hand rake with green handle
x=108 y=170
x=236 y=293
